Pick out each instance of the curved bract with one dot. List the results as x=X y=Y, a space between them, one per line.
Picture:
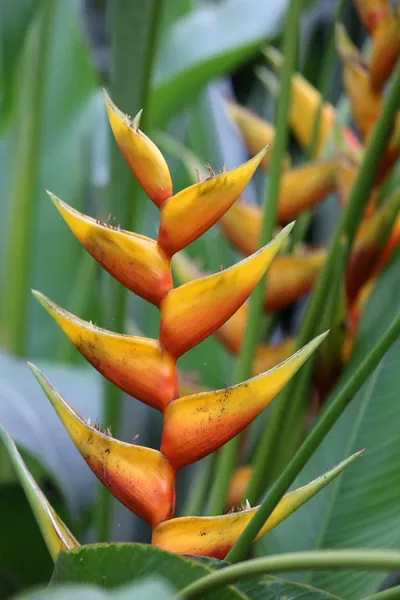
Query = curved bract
x=141 y=478
x=139 y=366
x=195 y=426
x=191 y=212
x=196 y=309
x=143 y=157
x=134 y=260
x=215 y=536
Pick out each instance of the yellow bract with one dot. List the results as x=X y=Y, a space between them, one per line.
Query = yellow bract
x=141 y=478
x=193 y=311
x=142 y=155
x=191 y=212
x=134 y=260
x=215 y=536
x=195 y=426
x=139 y=366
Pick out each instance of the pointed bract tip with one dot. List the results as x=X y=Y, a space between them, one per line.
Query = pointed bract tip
x=136 y=120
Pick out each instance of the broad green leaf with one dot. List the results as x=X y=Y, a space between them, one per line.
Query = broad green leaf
x=361 y=508
x=143 y=590
x=272 y=588
x=55 y=533
x=206 y=43
x=110 y=565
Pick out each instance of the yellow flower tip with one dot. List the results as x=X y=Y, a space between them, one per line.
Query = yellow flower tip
x=193 y=311
x=134 y=260
x=215 y=536
x=385 y=51
x=141 y=478
x=142 y=156
x=191 y=212
x=139 y=366
x=195 y=426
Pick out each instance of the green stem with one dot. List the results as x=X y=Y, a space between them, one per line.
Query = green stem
x=227 y=455
x=347 y=225
x=134 y=29
x=311 y=443
x=303 y=222
x=198 y=491
x=24 y=192
x=390 y=594
x=366 y=560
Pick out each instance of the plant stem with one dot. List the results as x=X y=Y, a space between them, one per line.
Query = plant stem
x=311 y=443
x=24 y=189
x=134 y=29
x=227 y=455
x=347 y=225
x=366 y=560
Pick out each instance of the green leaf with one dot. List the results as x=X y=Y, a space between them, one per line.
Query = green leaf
x=144 y=590
x=361 y=508
x=55 y=533
x=110 y=565
x=207 y=43
x=271 y=588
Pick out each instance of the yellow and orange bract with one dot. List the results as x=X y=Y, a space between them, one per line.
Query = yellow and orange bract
x=241 y=225
x=195 y=426
x=196 y=309
x=141 y=478
x=191 y=212
x=134 y=260
x=215 y=536
x=143 y=157
x=139 y=366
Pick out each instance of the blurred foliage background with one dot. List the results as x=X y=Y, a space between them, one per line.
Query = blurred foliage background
x=55 y=57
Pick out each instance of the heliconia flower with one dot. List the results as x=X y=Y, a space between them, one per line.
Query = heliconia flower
x=268 y=356
x=238 y=485
x=193 y=311
x=215 y=536
x=366 y=103
x=195 y=426
x=143 y=157
x=372 y=12
x=257 y=132
x=241 y=225
x=55 y=533
x=385 y=49
x=191 y=212
x=134 y=260
x=291 y=277
x=141 y=478
x=304 y=107
x=369 y=244
x=139 y=366
x=305 y=186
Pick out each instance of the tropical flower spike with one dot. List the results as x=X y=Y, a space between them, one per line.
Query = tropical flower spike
x=195 y=425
